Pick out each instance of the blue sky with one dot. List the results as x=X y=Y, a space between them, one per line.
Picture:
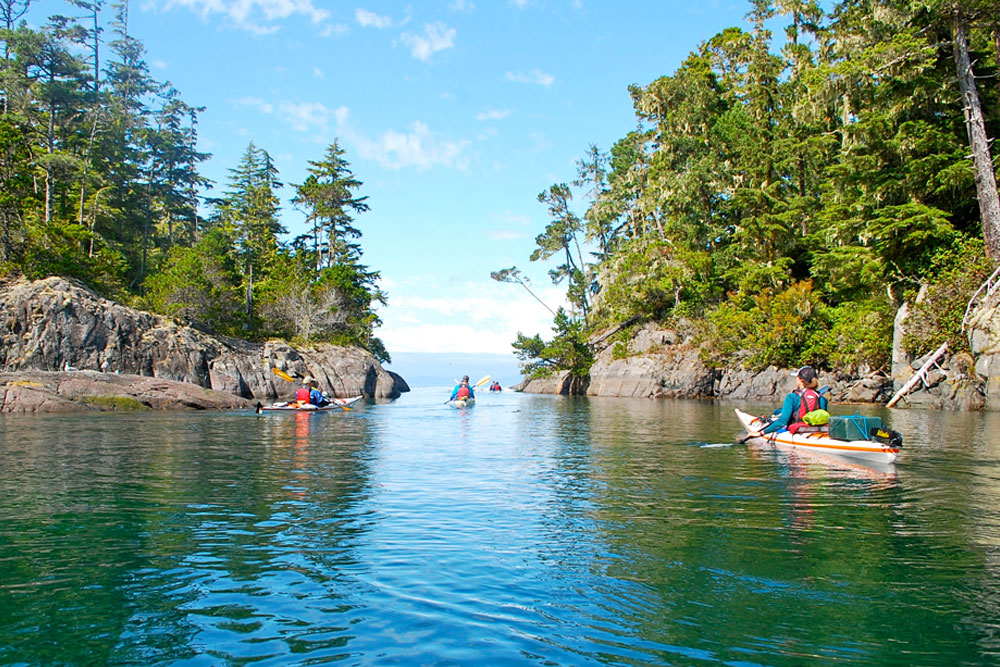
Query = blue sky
x=455 y=114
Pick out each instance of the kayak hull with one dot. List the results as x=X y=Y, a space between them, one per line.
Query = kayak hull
x=292 y=406
x=865 y=450
x=462 y=402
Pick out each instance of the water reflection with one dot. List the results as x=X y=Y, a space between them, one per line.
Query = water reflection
x=526 y=530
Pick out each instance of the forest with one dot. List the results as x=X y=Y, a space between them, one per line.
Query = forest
x=100 y=182
x=786 y=189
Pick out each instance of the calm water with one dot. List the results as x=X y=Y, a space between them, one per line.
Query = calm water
x=528 y=530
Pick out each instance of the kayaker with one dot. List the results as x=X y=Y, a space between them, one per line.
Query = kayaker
x=798 y=403
x=462 y=390
x=309 y=393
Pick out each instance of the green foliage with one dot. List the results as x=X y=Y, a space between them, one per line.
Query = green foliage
x=568 y=350
x=199 y=286
x=859 y=334
x=790 y=200
x=956 y=273
x=770 y=327
x=646 y=278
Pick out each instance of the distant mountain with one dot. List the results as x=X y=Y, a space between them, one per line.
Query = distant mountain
x=429 y=369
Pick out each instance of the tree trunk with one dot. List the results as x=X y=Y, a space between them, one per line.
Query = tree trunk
x=986 y=182
x=49 y=149
x=86 y=169
x=249 y=297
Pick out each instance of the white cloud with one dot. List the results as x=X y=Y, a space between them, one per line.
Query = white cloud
x=257 y=103
x=318 y=73
x=480 y=317
x=252 y=15
x=461 y=6
x=300 y=116
x=334 y=29
x=492 y=114
x=306 y=116
x=370 y=19
x=513 y=218
x=535 y=76
x=418 y=148
x=159 y=64
x=437 y=37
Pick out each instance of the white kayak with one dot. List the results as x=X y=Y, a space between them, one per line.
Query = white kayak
x=867 y=450
x=462 y=402
x=294 y=406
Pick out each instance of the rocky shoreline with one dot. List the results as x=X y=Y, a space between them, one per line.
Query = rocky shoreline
x=93 y=391
x=59 y=338
x=664 y=363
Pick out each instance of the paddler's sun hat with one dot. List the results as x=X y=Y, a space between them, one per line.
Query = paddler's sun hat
x=807 y=373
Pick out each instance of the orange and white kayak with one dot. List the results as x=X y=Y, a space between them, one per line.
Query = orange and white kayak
x=295 y=406
x=868 y=450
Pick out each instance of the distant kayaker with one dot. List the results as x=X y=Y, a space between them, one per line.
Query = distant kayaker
x=310 y=393
x=462 y=390
x=798 y=403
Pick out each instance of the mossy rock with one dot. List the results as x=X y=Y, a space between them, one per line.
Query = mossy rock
x=24 y=383
x=114 y=403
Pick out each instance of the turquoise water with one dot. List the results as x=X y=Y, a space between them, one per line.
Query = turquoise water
x=531 y=530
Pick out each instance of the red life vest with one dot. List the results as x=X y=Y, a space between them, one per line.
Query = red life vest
x=808 y=401
x=463 y=391
x=302 y=395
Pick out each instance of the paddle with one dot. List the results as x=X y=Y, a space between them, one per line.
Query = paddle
x=285 y=376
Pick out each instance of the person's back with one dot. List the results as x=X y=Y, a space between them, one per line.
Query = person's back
x=462 y=390
x=798 y=403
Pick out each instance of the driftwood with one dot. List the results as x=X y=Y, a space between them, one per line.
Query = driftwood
x=918 y=376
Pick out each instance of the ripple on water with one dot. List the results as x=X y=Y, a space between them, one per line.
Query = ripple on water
x=526 y=530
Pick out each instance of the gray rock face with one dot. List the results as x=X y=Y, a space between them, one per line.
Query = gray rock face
x=666 y=369
x=953 y=383
x=92 y=391
x=55 y=324
x=560 y=383
x=984 y=339
x=666 y=365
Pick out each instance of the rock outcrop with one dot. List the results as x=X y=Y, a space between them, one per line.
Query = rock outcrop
x=92 y=391
x=984 y=339
x=954 y=381
x=58 y=324
x=662 y=363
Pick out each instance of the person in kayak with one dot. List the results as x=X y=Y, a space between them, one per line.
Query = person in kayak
x=462 y=390
x=798 y=403
x=310 y=393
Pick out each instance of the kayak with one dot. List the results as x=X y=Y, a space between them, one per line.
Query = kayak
x=821 y=442
x=293 y=406
x=462 y=402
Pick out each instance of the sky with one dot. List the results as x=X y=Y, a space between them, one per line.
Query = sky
x=454 y=114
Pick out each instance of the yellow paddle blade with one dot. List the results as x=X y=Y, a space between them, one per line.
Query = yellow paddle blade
x=483 y=381
x=283 y=375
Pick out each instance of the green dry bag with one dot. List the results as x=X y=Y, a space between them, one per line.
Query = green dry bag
x=816 y=417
